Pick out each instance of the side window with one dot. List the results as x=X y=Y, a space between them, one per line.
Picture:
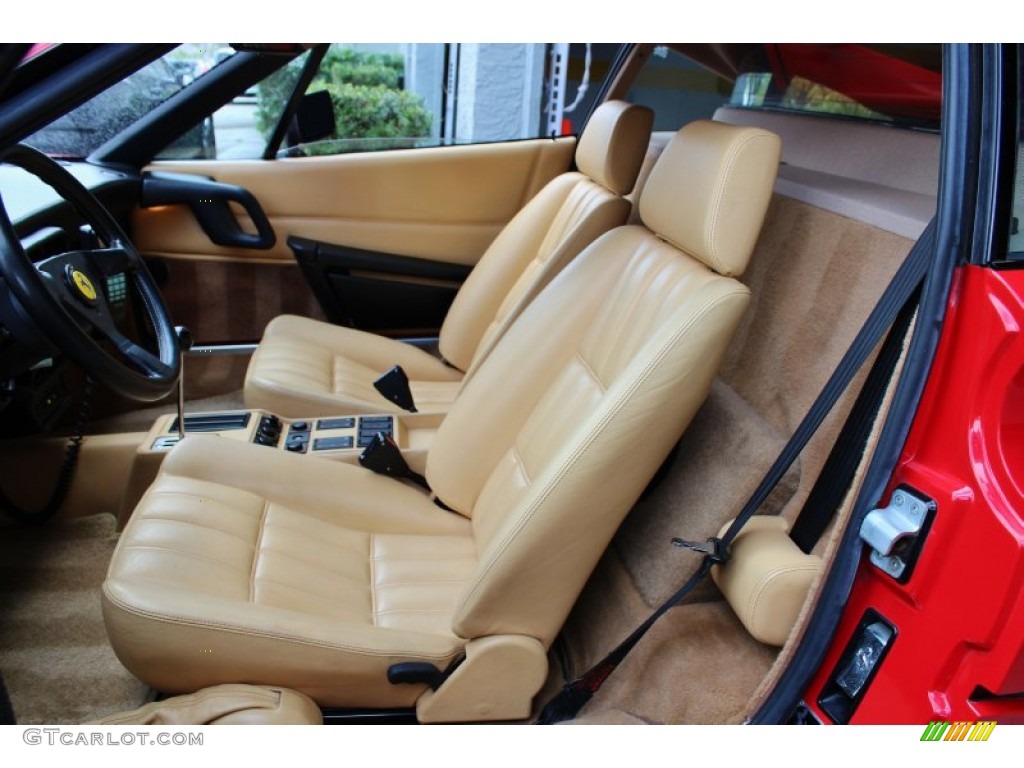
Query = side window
x=677 y=89
x=363 y=98
x=372 y=97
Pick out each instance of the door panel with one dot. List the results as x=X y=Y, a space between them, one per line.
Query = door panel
x=223 y=301
x=444 y=203
x=441 y=204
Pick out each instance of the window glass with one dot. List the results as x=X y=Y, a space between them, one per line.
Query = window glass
x=380 y=96
x=887 y=83
x=242 y=127
x=85 y=129
x=678 y=89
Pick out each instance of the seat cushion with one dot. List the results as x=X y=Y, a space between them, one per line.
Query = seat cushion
x=216 y=579
x=308 y=368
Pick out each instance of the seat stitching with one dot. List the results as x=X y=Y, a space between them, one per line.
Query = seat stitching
x=585 y=445
x=639 y=296
x=150 y=517
x=423 y=583
x=182 y=620
x=757 y=594
x=517 y=457
x=295 y=558
x=373 y=578
x=590 y=370
x=184 y=553
x=303 y=532
x=256 y=551
x=424 y=559
x=711 y=227
x=333 y=603
x=414 y=610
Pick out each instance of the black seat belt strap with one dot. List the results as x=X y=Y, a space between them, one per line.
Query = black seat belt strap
x=896 y=296
x=837 y=474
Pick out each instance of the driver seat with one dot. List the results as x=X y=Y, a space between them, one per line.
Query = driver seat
x=248 y=565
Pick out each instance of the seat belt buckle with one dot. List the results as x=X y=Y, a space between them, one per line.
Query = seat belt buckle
x=384 y=457
x=714 y=548
x=394 y=386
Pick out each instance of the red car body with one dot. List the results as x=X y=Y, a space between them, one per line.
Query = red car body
x=959 y=652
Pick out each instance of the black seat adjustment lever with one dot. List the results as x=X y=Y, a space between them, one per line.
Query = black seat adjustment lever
x=394 y=385
x=415 y=672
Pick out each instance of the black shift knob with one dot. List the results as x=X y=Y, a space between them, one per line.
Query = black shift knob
x=185 y=338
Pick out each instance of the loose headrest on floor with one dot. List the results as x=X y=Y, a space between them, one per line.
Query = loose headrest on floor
x=613 y=144
x=709 y=191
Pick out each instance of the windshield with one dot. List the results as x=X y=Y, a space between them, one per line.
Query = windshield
x=84 y=130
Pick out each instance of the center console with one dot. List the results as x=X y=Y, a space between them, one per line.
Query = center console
x=321 y=436
x=339 y=438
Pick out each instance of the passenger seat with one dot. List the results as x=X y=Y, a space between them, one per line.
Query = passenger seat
x=305 y=367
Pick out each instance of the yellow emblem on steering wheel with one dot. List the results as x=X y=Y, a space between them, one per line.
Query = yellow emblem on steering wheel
x=83 y=284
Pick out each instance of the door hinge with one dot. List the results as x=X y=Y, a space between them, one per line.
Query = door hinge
x=896 y=533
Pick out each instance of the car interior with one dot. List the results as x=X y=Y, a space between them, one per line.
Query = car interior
x=379 y=511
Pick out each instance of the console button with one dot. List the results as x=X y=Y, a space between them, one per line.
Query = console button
x=347 y=422
x=332 y=443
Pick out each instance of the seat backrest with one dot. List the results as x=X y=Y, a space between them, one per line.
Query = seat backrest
x=569 y=213
x=556 y=435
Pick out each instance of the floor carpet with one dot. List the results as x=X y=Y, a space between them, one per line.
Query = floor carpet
x=56 y=661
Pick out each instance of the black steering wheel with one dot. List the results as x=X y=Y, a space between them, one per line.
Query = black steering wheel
x=64 y=295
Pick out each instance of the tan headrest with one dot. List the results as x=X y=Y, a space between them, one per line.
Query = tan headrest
x=613 y=144
x=709 y=191
x=767 y=578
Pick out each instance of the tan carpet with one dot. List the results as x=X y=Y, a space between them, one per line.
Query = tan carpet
x=56 y=661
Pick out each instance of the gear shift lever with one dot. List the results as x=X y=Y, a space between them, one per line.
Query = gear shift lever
x=185 y=342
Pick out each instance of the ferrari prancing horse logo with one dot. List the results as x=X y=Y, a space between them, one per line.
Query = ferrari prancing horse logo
x=82 y=284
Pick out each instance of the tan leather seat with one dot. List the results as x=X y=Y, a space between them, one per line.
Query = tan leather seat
x=304 y=367
x=243 y=564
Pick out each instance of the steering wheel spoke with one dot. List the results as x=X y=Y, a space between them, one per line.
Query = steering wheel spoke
x=135 y=354
x=117 y=259
x=65 y=295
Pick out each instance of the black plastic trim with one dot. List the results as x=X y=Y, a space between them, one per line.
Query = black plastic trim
x=833 y=701
x=337 y=716
x=997 y=155
x=209 y=201
x=309 y=71
x=380 y=304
